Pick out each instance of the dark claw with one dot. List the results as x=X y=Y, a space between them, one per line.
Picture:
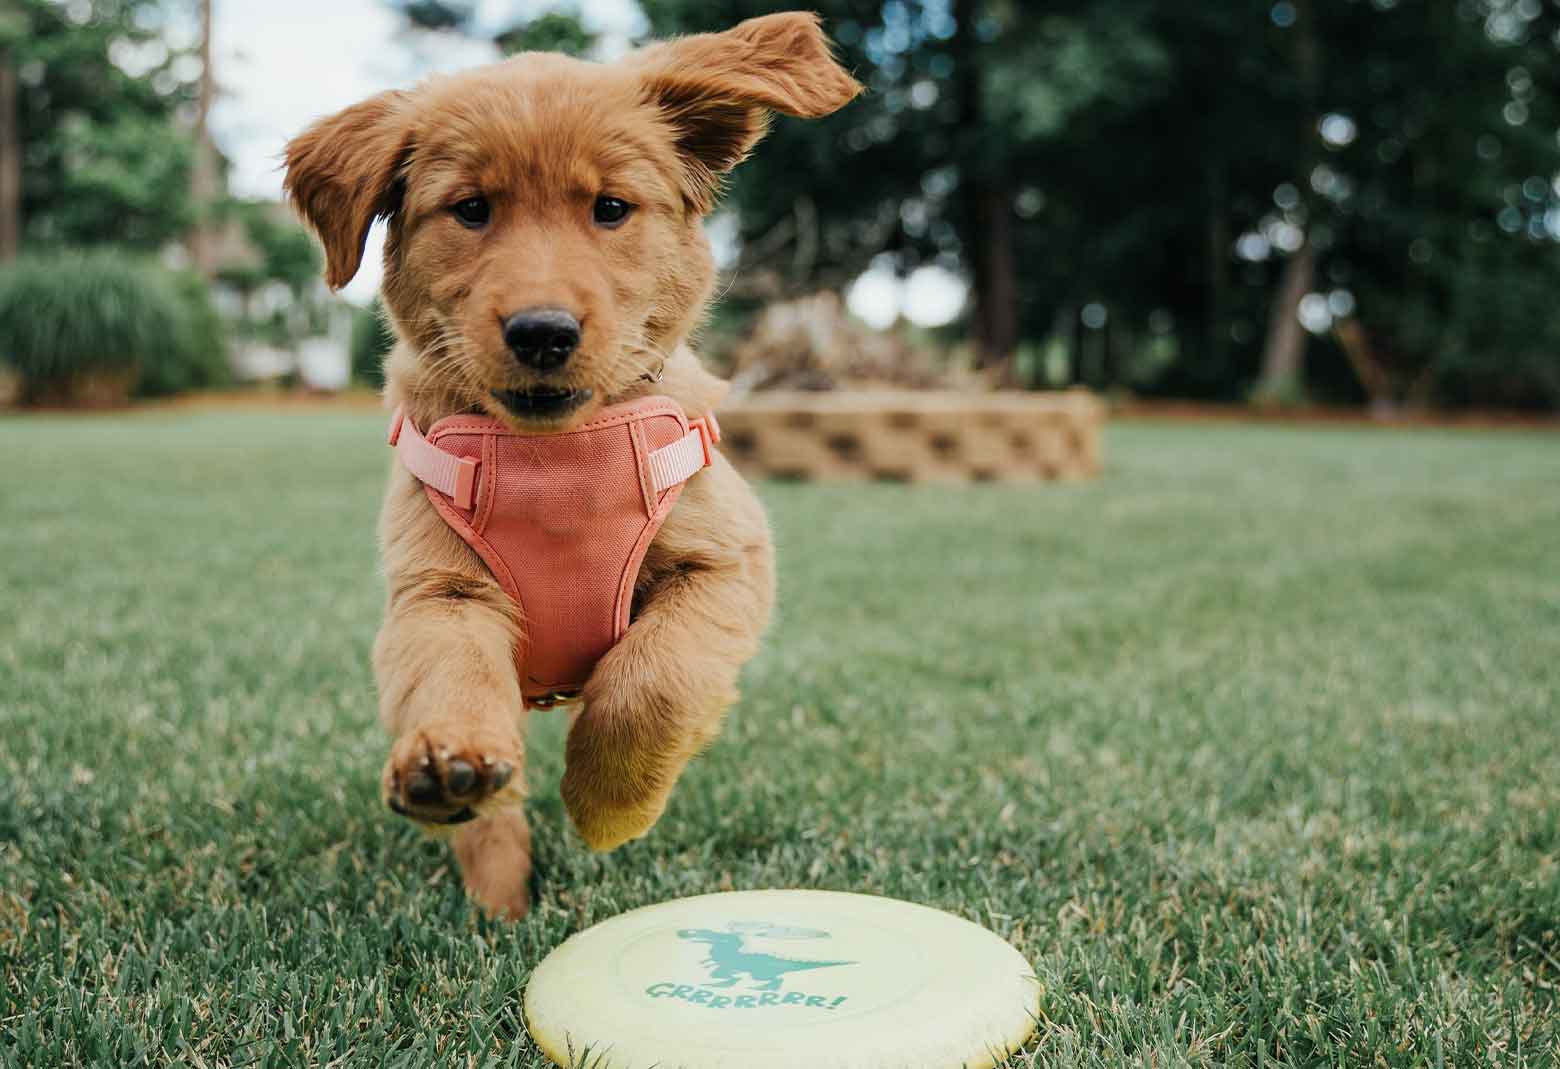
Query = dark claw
x=460 y=777
x=395 y=807
x=501 y=774
x=423 y=789
x=460 y=818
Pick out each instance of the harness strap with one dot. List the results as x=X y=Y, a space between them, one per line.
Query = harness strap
x=452 y=476
x=680 y=461
x=456 y=477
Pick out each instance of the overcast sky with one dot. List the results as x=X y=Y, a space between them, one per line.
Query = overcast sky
x=281 y=64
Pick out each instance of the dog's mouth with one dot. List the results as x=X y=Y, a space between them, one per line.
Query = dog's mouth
x=542 y=403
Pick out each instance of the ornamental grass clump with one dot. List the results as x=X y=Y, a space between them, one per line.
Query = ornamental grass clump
x=89 y=328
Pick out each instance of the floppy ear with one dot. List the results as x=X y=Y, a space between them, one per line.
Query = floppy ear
x=341 y=174
x=717 y=89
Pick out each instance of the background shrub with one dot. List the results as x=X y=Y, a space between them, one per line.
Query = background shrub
x=371 y=340
x=65 y=315
x=199 y=359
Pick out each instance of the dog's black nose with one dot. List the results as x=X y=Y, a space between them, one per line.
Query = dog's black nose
x=542 y=338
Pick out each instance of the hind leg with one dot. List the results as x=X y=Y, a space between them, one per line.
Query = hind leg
x=495 y=862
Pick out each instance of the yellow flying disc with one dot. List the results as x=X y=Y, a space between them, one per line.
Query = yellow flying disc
x=783 y=980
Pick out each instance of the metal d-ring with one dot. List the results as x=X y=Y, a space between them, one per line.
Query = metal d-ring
x=556 y=698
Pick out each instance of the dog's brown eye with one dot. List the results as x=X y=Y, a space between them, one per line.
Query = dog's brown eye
x=472 y=212
x=611 y=211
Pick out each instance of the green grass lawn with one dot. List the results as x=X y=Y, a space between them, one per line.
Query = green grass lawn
x=1249 y=745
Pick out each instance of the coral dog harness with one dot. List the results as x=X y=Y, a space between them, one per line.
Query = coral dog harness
x=561 y=520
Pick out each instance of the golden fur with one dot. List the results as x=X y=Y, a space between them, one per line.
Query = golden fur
x=540 y=137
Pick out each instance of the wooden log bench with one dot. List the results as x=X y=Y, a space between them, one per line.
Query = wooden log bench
x=914 y=436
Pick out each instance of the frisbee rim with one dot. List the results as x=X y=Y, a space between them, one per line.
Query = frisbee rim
x=988 y=1059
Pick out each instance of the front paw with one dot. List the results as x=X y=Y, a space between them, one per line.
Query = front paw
x=446 y=773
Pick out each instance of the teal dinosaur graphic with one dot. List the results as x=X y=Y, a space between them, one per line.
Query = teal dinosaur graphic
x=728 y=961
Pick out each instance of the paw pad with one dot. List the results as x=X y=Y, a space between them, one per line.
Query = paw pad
x=436 y=783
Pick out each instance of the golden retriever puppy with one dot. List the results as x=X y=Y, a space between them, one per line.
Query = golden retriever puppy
x=548 y=193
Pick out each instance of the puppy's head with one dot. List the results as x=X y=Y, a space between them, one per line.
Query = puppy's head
x=545 y=248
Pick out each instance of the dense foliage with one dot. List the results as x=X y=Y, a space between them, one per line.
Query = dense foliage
x=98 y=122
x=195 y=355
x=546 y=31
x=103 y=159
x=67 y=314
x=1145 y=194
x=371 y=342
x=1138 y=181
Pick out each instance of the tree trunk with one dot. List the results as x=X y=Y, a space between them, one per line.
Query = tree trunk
x=996 y=281
x=204 y=239
x=1216 y=332
x=10 y=162
x=1283 y=358
x=987 y=217
x=1355 y=342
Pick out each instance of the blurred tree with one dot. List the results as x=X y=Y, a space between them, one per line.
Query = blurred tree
x=271 y=265
x=550 y=31
x=1149 y=181
x=372 y=339
x=205 y=174
x=436 y=15
x=12 y=25
x=966 y=99
x=276 y=248
x=97 y=148
x=1435 y=206
x=1151 y=244
x=1283 y=352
